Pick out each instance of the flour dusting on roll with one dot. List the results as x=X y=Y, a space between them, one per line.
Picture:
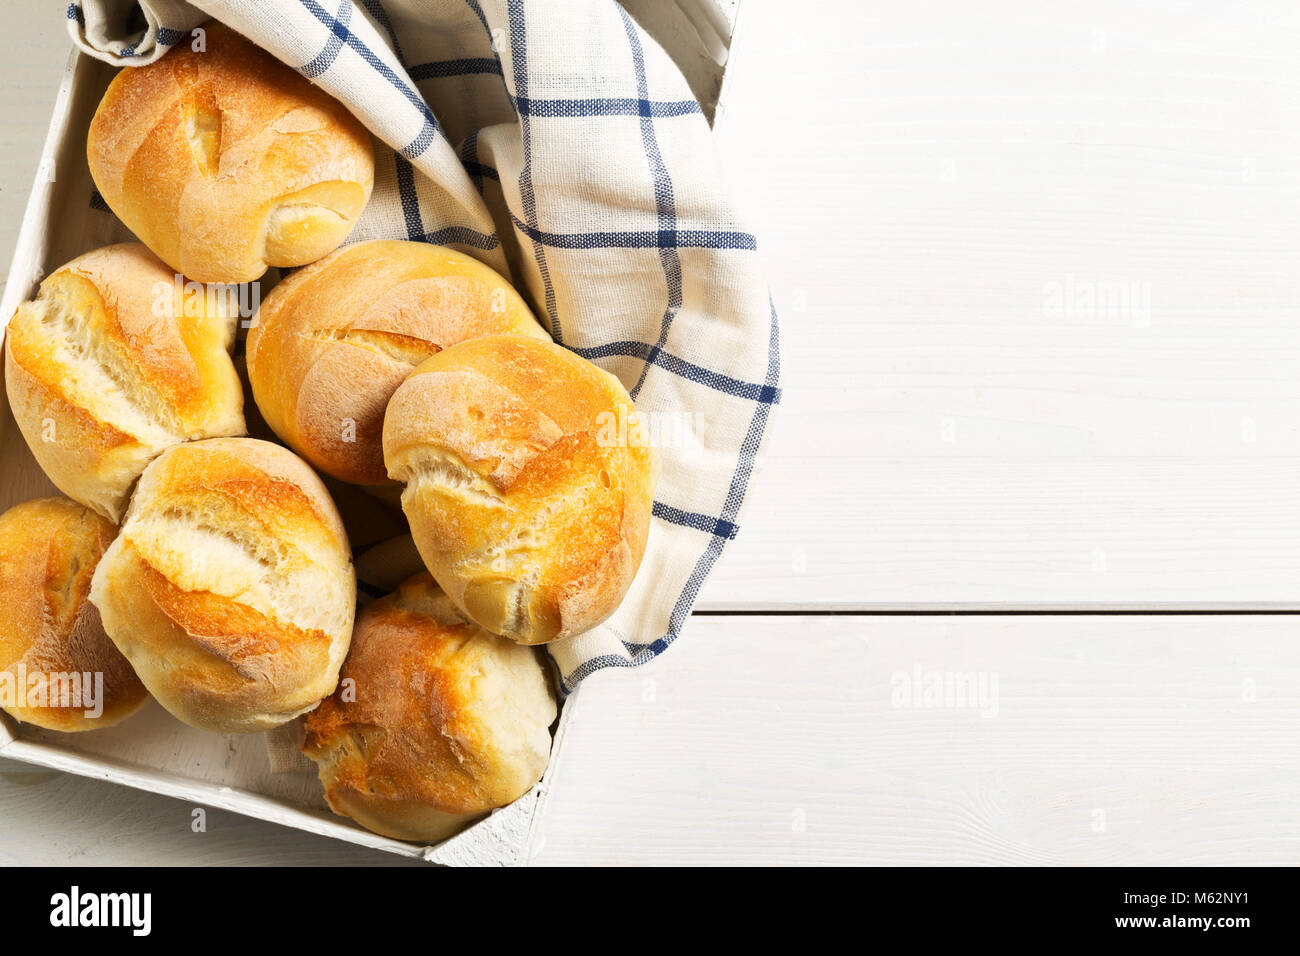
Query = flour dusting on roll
x=435 y=723
x=230 y=587
x=113 y=362
x=58 y=669
x=225 y=161
x=528 y=514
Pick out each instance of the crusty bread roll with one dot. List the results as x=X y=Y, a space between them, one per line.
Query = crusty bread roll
x=58 y=669
x=528 y=500
x=435 y=721
x=334 y=340
x=230 y=588
x=226 y=161
x=113 y=362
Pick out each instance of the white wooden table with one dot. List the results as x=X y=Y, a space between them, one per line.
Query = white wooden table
x=1038 y=273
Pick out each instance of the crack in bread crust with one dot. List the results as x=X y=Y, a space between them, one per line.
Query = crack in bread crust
x=100 y=369
x=203 y=130
x=445 y=473
x=408 y=349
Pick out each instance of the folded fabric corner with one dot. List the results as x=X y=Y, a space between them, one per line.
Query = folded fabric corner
x=130 y=32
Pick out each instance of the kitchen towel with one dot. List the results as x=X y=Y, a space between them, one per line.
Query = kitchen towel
x=557 y=142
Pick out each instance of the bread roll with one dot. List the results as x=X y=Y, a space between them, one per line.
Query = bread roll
x=435 y=721
x=226 y=161
x=230 y=588
x=114 y=361
x=527 y=487
x=58 y=669
x=334 y=340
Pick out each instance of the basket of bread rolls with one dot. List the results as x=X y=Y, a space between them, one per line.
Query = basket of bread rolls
x=394 y=408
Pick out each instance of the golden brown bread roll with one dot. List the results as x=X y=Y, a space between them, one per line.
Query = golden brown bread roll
x=334 y=340
x=435 y=721
x=113 y=362
x=230 y=587
x=226 y=161
x=58 y=669
x=526 y=513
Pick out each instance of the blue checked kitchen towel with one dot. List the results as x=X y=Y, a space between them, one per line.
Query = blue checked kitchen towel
x=558 y=143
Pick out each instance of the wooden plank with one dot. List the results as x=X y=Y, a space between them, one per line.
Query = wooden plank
x=782 y=740
x=33 y=65
x=52 y=818
x=1037 y=274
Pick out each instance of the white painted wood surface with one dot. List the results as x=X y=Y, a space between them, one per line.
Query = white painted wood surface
x=1114 y=740
x=935 y=186
x=938 y=187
